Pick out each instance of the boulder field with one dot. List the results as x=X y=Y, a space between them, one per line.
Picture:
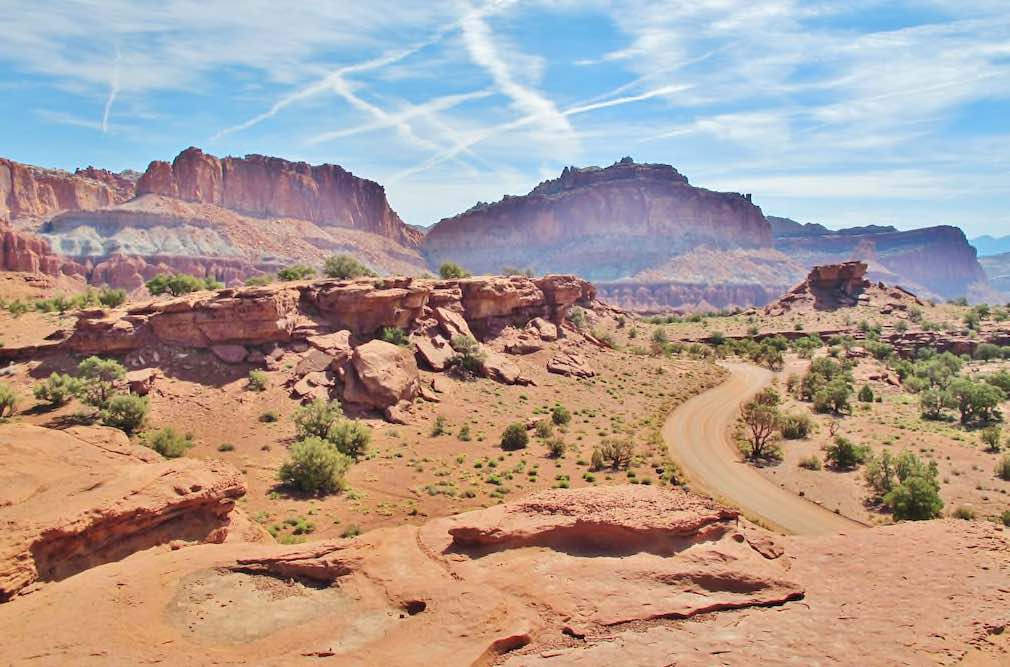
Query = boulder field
x=125 y=571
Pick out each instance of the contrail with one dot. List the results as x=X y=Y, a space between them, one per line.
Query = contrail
x=113 y=91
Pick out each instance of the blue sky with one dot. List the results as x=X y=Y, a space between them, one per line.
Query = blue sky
x=845 y=113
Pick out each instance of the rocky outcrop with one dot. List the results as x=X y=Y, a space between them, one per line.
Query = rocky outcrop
x=602 y=224
x=384 y=376
x=70 y=501
x=268 y=186
x=32 y=193
x=845 y=285
x=21 y=251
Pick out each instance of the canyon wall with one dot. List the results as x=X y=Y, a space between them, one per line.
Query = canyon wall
x=325 y=194
x=603 y=224
x=30 y=193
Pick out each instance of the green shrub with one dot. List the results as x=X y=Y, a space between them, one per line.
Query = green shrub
x=111 y=298
x=178 y=284
x=345 y=267
x=796 y=425
x=846 y=455
x=226 y=447
x=577 y=316
x=8 y=401
x=1005 y=518
x=810 y=463
x=452 y=271
x=596 y=461
x=464 y=433
x=257 y=380
x=915 y=499
x=317 y=418
x=351 y=438
x=514 y=437
x=126 y=412
x=988 y=352
x=296 y=272
x=978 y=402
x=315 y=466
x=167 y=442
x=439 y=428
x=98 y=379
x=560 y=415
x=866 y=394
x=394 y=335
x=57 y=389
x=544 y=429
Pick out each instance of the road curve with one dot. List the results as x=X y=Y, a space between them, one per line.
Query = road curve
x=698 y=435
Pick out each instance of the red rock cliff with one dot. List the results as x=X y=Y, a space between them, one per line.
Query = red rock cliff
x=602 y=224
x=324 y=194
x=21 y=251
x=28 y=192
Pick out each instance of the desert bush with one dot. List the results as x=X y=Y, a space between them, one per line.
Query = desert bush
x=226 y=447
x=556 y=447
x=596 y=461
x=617 y=452
x=988 y=352
x=810 y=463
x=394 y=335
x=452 y=271
x=560 y=415
x=577 y=316
x=98 y=379
x=296 y=272
x=315 y=466
x=111 y=298
x=514 y=437
x=167 y=442
x=260 y=280
x=1003 y=468
x=257 y=380
x=964 y=512
x=932 y=403
x=464 y=433
x=991 y=437
x=317 y=418
x=345 y=267
x=269 y=417
x=126 y=412
x=8 y=401
x=915 y=499
x=796 y=425
x=834 y=397
x=468 y=357
x=1005 y=518
x=843 y=454
x=351 y=438
x=544 y=429
x=439 y=427
x=978 y=402
x=1000 y=379
x=57 y=389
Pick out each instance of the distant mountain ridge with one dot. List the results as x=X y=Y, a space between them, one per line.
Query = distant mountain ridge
x=991 y=245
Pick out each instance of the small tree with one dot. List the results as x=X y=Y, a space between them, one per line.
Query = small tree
x=617 y=452
x=98 y=379
x=917 y=498
x=468 y=358
x=167 y=442
x=317 y=418
x=846 y=455
x=178 y=284
x=796 y=425
x=296 y=272
x=514 y=437
x=350 y=438
x=596 y=460
x=57 y=389
x=992 y=438
x=345 y=267
x=866 y=394
x=932 y=403
x=315 y=466
x=259 y=281
x=8 y=401
x=394 y=335
x=556 y=447
x=976 y=401
x=111 y=298
x=762 y=422
x=452 y=271
x=125 y=411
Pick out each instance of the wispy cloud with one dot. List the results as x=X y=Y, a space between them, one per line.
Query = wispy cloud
x=113 y=91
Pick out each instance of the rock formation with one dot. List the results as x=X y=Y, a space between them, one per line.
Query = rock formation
x=606 y=575
x=268 y=186
x=834 y=286
x=21 y=251
x=32 y=193
x=601 y=224
x=72 y=500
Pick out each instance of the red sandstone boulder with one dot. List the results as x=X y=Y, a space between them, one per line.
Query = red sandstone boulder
x=230 y=354
x=571 y=365
x=382 y=375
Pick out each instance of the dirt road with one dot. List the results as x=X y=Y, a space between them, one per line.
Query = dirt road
x=698 y=434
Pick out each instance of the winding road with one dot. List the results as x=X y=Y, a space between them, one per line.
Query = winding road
x=698 y=435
